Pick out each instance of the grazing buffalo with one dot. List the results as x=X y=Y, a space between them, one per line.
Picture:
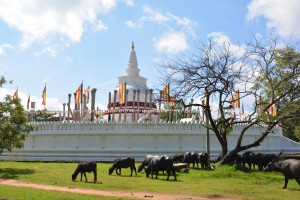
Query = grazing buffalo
x=251 y=158
x=190 y=157
x=178 y=158
x=256 y=159
x=246 y=159
x=160 y=163
x=265 y=159
x=83 y=167
x=124 y=162
x=290 y=169
x=145 y=162
x=203 y=159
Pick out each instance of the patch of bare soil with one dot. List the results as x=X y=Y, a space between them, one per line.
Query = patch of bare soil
x=124 y=194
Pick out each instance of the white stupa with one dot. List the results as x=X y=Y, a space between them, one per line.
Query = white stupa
x=139 y=100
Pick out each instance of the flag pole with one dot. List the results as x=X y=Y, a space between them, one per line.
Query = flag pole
x=81 y=98
x=44 y=96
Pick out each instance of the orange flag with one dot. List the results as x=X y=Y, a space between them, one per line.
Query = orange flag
x=237 y=98
x=166 y=93
x=272 y=109
x=28 y=102
x=16 y=94
x=44 y=96
x=87 y=95
x=122 y=93
x=78 y=95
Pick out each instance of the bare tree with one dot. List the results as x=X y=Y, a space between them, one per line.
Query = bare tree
x=220 y=71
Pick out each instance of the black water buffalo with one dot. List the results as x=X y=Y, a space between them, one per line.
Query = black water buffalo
x=290 y=169
x=246 y=159
x=256 y=159
x=145 y=162
x=203 y=159
x=124 y=162
x=251 y=158
x=83 y=167
x=178 y=158
x=160 y=163
x=190 y=157
x=265 y=159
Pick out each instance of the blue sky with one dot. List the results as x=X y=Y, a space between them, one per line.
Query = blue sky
x=65 y=42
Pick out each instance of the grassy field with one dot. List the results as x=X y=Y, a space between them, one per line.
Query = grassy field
x=234 y=182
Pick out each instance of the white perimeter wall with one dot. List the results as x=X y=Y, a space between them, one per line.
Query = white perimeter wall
x=66 y=141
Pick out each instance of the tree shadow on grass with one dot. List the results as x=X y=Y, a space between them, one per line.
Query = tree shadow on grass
x=242 y=168
x=13 y=173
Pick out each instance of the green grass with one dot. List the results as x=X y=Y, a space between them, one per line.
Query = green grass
x=226 y=181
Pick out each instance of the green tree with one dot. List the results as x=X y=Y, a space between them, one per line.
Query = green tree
x=13 y=122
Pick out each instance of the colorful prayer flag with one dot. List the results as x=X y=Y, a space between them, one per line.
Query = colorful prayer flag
x=122 y=93
x=28 y=102
x=272 y=109
x=87 y=95
x=78 y=95
x=237 y=98
x=166 y=93
x=173 y=100
x=16 y=94
x=44 y=96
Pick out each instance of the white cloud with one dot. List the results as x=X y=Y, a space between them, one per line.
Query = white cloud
x=171 y=42
x=222 y=39
x=3 y=47
x=154 y=15
x=282 y=16
x=100 y=26
x=40 y=20
x=129 y=3
x=161 y=18
x=130 y=23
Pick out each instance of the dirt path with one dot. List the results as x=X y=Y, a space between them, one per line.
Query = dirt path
x=133 y=195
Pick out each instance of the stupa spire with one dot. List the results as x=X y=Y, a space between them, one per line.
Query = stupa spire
x=132 y=66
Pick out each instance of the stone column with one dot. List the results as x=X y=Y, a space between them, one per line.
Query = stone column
x=93 y=92
x=145 y=103
x=64 y=110
x=109 y=106
x=133 y=107
x=151 y=93
x=114 y=105
x=138 y=106
x=159 y=106
x=69 y=105
x=76 y=108
x=120 y=108
x=126 y=95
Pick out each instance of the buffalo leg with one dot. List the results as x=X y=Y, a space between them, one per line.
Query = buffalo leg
x=286 y=180
x=151 y=173
x=134 y=168
x=174 y=173
x=81 y=176
x=95 y=176
x=85 y=176
x=168 y=173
